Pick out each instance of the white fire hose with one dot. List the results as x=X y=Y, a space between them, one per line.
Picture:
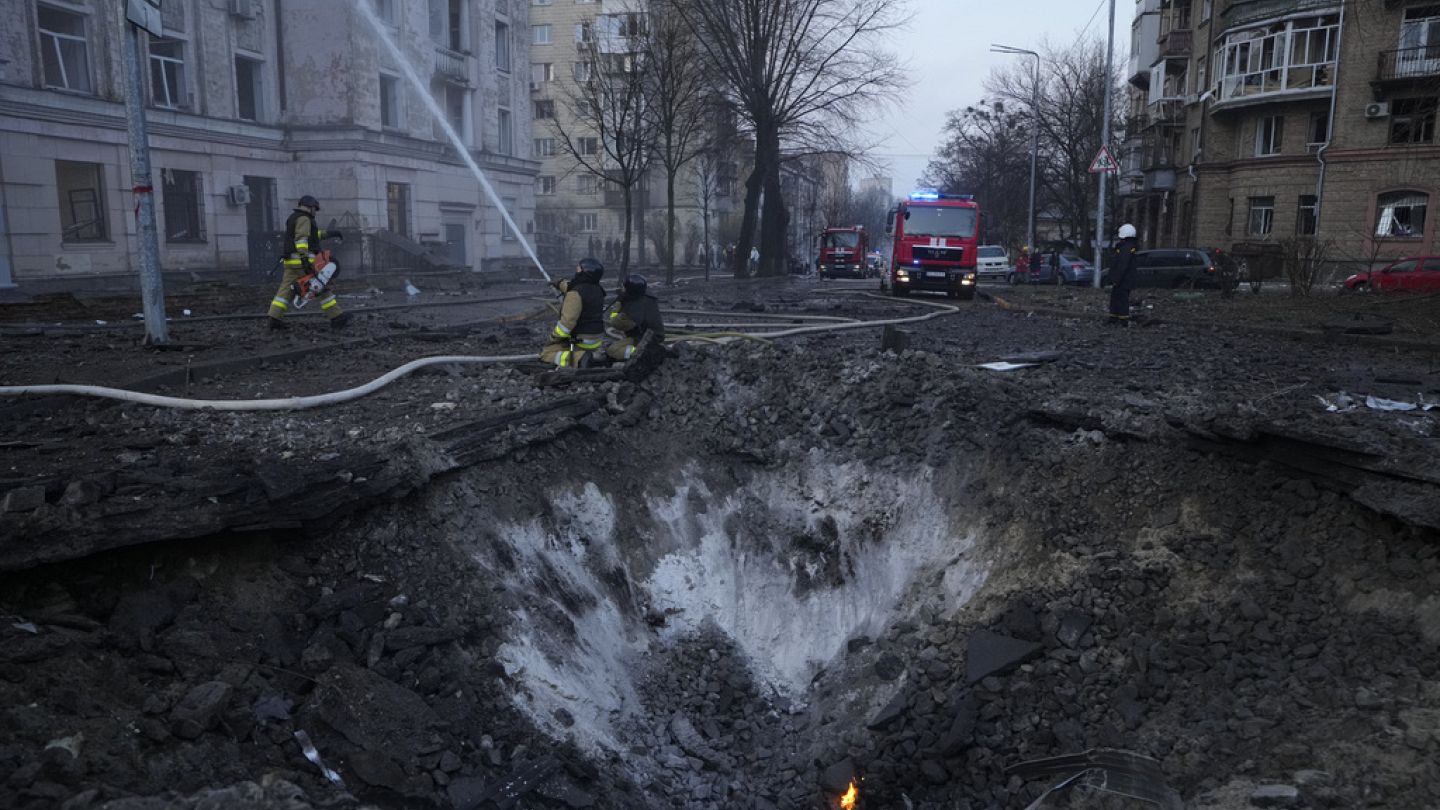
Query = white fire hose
x=337 y=397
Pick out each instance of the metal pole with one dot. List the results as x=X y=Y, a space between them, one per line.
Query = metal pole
x=152 y=286
x=1104 y=144
x=1034 y=152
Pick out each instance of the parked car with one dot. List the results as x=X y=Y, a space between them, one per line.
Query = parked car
x=991 y=262
x=1068 y=268
x=1415 y=273
x=1183 y=268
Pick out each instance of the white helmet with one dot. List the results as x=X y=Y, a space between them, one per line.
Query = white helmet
x=1127 y=231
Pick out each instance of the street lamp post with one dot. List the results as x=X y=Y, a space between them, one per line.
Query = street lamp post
x=1104 y=144
x=1034 y=135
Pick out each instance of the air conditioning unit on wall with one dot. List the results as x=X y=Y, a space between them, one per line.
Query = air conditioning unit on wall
x=244 y=9
x=238 y=195
x=1377 y=109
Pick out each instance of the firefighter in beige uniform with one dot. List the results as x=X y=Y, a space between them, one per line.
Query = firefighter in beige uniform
x=302 y=240
x=581 y=328
x=635 y=315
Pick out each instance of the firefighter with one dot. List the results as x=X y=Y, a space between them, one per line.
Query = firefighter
x=1122 y=275
x=302 y=242
x=581 y=327
x=635 y=315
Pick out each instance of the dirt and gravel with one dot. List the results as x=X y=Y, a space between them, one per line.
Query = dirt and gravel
x=763 y=571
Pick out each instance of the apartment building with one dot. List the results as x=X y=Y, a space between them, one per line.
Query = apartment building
x=577 y=211
x=1257 y=121
x=245 y=115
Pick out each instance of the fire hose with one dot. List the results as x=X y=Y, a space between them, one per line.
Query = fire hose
x=337 y=397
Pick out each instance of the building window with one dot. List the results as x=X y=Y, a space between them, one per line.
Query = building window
x=585 y=184
x=82 y=202
x=1262 y=216
x=584 y=33
x=544 y=147
x=167 y=74
x=389 y=101
x=583 y=71
x=64 y=52
x=505 y=143
x=584 y=109
x=1295 y=54
x=1305 y=223
x=589 y=222
x=1205 y=9
x=512 y=205
x=1230 y=219
x=456 y=103
x=545 y=185
x=1194 y=144
x=502 y=47
x=184 y=203
x=455 y=18
x=1401 y=214
x=544 y=108
x=249 y=89
x=1412 y=120
x=397 y=208
x=539 y=35
x=587 y=146
x=1269 y=133
x=1202 y=75
x=542 y=73
x=1319 y=132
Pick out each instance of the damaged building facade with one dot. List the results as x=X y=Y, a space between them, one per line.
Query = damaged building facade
x=245 y=115
x=1254 y=123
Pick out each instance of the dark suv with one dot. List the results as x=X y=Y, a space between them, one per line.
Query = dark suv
x=1184 y=268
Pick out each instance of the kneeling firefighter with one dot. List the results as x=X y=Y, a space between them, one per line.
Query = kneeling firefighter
x=634 y=316
x=581 y=327
x=305 y=277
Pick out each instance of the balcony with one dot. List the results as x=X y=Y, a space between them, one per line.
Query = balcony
x=1176 y=44
x=1408 y=64
x=452 y=65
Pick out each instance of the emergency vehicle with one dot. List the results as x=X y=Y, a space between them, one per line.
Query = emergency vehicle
x=842 y=252
x=936 y=237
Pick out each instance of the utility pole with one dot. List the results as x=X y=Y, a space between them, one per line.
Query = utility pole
x=1034 y=135
x=144 y=14
x=1104 y=144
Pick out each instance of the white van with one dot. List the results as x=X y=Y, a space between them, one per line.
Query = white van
x=991 y=262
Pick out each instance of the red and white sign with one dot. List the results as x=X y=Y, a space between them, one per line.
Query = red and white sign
x=1104 y=162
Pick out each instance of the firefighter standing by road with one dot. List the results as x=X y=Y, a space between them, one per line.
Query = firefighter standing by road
x=635 y=315
x=302 y=242
x=581 y=328
x=1122 y=275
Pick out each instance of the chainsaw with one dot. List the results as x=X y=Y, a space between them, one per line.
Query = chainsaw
x=307 y=287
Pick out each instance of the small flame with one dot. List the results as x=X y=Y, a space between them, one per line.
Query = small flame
x=850 y=796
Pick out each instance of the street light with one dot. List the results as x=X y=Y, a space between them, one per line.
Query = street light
x=1034 y=134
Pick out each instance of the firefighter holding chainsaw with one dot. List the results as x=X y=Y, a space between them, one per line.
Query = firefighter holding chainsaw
x=575 y=340
x=304 y=281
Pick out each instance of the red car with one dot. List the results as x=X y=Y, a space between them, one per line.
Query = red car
x=1412 y=274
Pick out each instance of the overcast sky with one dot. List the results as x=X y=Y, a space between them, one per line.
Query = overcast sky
x=947 y=47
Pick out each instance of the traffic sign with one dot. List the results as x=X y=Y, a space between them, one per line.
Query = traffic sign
x=1104 y=162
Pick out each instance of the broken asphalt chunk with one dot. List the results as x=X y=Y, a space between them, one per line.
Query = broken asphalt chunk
x=990 y=653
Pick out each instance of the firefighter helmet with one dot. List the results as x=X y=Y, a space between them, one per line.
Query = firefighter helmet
x=309 y=202
x=591 y=269
x=1127 y=231
x=635 y=285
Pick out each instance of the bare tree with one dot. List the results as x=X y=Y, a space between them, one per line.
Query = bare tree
x=799 y=71
x=987 y=153
x=612 y=136
x=1071 y=100
x=678 y=103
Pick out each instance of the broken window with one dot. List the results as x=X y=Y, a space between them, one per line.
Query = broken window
x=1401 y=214
x=184 y=203
x=82 y=201
x=167 y=74
x=249 y=89
x=1412 y=120
x=1305 y=215
x=1262 y=216
x=64 y=52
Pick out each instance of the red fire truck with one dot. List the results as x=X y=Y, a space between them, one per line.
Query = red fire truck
x=936 y=236
x=842 y=252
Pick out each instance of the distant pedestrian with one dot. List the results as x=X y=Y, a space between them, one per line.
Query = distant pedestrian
x=754 y=260
x=1122 y=275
